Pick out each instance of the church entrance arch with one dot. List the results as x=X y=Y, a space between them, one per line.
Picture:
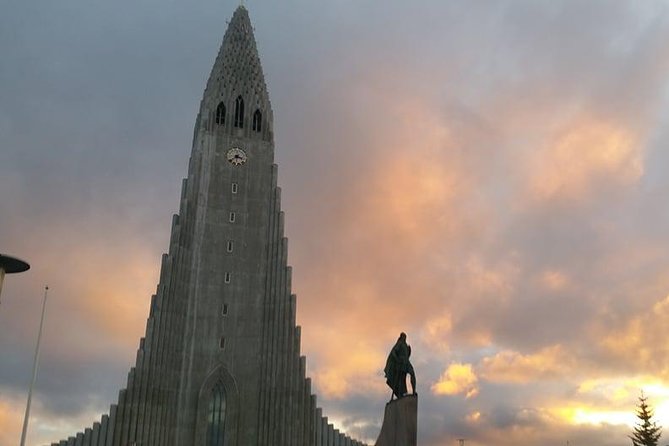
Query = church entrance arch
x=216 y=417
x=217 y=410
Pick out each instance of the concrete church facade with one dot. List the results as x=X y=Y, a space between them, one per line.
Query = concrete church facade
x=220 y=362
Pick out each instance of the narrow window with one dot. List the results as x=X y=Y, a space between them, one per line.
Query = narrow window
x=224 y=311
x=220 y=114
x=216 y=415
x=239 y=112
x=235 y=187
x=227 y=277
x=232 y=217
x=257 y=121
x=230 y=245
x=222 y=342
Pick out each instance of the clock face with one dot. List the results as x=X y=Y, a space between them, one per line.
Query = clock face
x=236 y=156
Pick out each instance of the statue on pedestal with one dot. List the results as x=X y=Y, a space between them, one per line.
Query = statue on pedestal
x=398 y=366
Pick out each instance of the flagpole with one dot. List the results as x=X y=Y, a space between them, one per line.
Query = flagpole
x=34 y=378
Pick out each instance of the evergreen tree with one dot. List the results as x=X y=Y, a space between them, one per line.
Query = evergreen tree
x=645 y=433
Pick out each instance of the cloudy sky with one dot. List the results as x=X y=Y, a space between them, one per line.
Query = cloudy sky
x=488 y=176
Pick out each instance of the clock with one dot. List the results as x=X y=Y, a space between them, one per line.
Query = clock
x=236 y=156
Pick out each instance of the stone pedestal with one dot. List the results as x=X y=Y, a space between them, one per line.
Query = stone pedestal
x=400 y=422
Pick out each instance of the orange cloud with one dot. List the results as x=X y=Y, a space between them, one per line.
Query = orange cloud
x=611 y=401
x=474 y=417
x=554 y=280
x=641 y=341
x=11 y=420
x=624 y=390
x=576 y=414
x=359 y=370
x=436 y=330
x=498 y=279
x=585 y=151
x=409 y=197
x=391 y=235
x=457 y=379
x=510 y=366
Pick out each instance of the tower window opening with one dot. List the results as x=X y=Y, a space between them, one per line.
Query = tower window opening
x=220 y=114
x=227 y=277
x=224 y=310
x=222 y=342
x=216 y=415
x=230 y=244
x=239 y=112
x=257 y=121
x=232 y=217
x=235 y=187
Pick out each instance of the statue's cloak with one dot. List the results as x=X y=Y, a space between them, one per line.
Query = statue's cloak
x=397 y=367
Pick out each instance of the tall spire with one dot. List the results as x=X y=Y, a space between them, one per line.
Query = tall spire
x=237 y=72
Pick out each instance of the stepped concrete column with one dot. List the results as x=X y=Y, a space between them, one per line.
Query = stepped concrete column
x=400 y=422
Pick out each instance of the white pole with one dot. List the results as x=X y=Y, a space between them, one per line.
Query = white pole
x=35 y=362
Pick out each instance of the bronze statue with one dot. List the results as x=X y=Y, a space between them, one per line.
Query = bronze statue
x=397 y=368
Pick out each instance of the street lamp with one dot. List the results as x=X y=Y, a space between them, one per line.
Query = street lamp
x=11 y=265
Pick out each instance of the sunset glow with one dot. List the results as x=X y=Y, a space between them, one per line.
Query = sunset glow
x=489 y=178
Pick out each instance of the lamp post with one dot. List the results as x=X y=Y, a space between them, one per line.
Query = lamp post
x=11 y=265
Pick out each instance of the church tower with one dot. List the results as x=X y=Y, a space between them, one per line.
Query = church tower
x=220 y=362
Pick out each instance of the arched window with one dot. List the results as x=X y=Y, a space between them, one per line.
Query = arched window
x=220 y=114
x=257 y=121
x=239 y=112
x=216 y=416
